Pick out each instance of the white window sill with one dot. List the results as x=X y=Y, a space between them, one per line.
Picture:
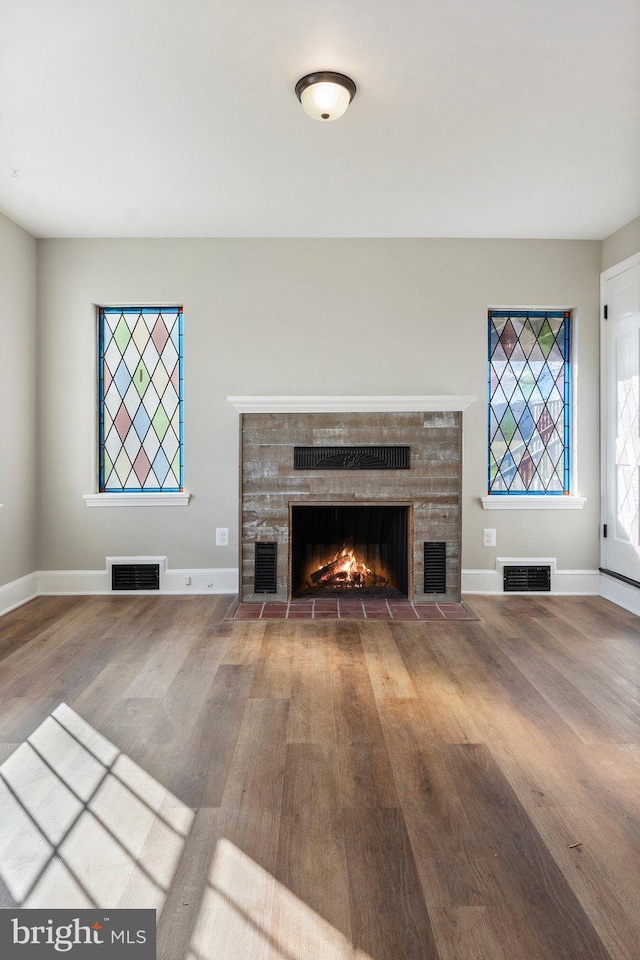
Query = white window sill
x=137 y=499
x=533 y=503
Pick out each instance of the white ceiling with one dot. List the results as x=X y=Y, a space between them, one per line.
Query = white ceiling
x=474 y=118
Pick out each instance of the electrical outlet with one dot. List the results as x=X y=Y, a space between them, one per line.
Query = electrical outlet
x=489 y=537
x=222 y=536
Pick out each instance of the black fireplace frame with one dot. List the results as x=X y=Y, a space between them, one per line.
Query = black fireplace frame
x=408 y=504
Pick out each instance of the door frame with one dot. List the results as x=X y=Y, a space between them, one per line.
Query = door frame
x=605 y=276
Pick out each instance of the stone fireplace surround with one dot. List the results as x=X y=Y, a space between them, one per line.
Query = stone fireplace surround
x=270 y=428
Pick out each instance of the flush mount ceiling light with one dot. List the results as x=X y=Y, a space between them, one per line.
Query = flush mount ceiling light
x=325 y=95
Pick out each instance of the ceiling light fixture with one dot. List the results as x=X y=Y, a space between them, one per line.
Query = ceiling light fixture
x=325 y=95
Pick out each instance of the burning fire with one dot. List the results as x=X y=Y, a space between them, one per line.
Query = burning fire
x=345 y=571
x=346 y=568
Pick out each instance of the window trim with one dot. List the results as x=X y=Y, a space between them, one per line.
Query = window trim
x=137 y=499
x=127 y=497
x=540 y=500
x=528 y=502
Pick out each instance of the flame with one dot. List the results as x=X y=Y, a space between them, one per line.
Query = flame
x=351 y=568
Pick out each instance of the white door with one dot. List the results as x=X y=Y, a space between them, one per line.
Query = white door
x=621 y=547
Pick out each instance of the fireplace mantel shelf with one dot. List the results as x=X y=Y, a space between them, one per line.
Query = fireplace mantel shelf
x=385 y=404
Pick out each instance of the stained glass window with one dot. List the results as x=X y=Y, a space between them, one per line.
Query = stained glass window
x=140 y=399
x=529 y=401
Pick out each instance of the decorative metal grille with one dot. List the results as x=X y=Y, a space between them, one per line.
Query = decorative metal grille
x=265 y=573
x=435 y=567
x=135 y=576
x=351 y=458
x=529 y=401
x=526 y=579
x=140 y=399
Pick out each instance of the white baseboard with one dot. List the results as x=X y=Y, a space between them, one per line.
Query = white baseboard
x=17 y=592
x=481 y=581
x=203 y=580
x=225 y=580
x=621 y=593
x=215 y=580
x=68 y=582
x=563 y=582
x=576 y=582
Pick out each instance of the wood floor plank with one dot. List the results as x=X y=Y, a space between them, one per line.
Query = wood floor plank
x=554 y=777
x=529 y=739
x=179 y=913
x=563 y=760
x=21 y=715
x=192 y=735
x=235 y=919
x=611 y=684
x=598 y=632
x=55 y=657
x=311 y=714
x=170 y=650
x=131 y=723
x=388 y=674
x=482 y=663
x=434 y=814
x=389 y=918
x=525 y=881
x=351 y=790
x=598 y=619
x=38 y=662
x=602 y=871
x=274 y=671
x=449 y=718
x=252 y=799
x=311 y=854
x=472 y=935
x=242 y=641
x=366 y=777
x=204 y=765
x=6 y=749
x=23 y=625
x=589 y=722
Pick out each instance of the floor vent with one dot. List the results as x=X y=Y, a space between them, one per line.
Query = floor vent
x=527 y=579
x=435 y=567
x=135 y=576
x=266 y=564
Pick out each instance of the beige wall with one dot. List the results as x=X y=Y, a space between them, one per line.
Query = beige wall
x=17 y=402
x=621 y=244
x=300 y=317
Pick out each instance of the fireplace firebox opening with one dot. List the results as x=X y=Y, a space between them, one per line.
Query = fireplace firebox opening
x=347 y=550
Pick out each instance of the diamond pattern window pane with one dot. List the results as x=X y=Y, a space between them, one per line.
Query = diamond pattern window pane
x=141 y=409
x=529 y=401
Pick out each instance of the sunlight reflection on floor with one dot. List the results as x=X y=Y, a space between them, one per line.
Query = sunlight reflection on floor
x=82 y=825
x=246 y=913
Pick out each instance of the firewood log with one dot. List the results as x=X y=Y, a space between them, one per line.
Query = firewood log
x=328 y=570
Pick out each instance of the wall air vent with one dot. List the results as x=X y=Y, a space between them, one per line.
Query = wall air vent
x=135 y=576
x=435 y=567
x=527 y=579
x=351 y=458
x=265 y=579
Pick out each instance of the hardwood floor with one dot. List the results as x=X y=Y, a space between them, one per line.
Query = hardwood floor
x=289 y=790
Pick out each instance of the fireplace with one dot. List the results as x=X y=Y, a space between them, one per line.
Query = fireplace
x=316 y=482
x=349 y=550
